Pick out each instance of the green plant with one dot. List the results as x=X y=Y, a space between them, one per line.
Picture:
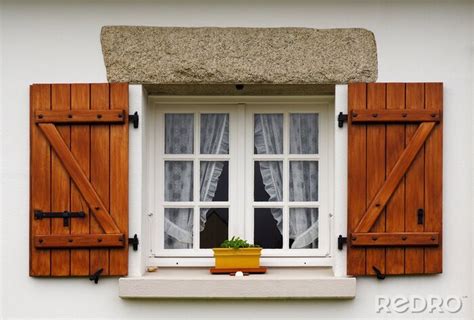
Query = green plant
x=236 y=243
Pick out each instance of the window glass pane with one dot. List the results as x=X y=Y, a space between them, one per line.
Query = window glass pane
x=179 y=133
x=304 y=228
x=268 y=181
x=304 y=129
x=268 y=133
x=214 y=179
x=214 y=227
x=178 y=181
x=303 y=181
x=214 y=133
x=178 y=228
x=268 y=223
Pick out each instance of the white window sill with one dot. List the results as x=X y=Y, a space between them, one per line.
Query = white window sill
x=277 y=283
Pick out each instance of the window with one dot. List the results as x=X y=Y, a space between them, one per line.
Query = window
x=258 y=168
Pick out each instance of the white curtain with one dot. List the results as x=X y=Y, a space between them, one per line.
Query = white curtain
x=179 y=137
x=303 y=184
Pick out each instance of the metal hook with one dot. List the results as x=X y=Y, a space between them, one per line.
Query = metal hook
x=95 y=277
x=378 y=274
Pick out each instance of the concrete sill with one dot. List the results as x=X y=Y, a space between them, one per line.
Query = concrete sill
x=277 y=283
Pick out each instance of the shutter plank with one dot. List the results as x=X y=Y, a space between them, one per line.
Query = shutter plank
x=357 y=181
x=80 y=148
x=100 y=212
x=411 y=180
x=40 y=184
x=379 y=202
x=119 y=177
x=395 y=210
x=376 y=97
x=60 y=183
x=414 y=180
x=433 y=179
x=100 y=171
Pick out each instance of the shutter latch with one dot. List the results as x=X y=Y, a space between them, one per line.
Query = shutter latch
x=341 y=241
x=420 y=216
x=134 y=242
x=133 y=118
x=66 y=215
x=341 y=118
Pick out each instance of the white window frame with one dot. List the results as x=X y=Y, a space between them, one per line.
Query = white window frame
x=241 y=124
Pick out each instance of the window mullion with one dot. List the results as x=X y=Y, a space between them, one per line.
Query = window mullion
x=196 y=183
x=286 y=175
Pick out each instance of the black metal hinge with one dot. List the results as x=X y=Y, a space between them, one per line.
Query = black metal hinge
x=66 y=215
x=133 y=119
x=134 y=242
x=341 y=118
x=341 y=241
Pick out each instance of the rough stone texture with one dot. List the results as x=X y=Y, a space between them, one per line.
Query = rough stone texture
x=175 y=55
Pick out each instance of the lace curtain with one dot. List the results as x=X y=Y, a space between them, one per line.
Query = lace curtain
x=303 y=184
x=179 y=139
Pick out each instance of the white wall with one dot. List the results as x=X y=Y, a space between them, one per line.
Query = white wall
x=46 y=41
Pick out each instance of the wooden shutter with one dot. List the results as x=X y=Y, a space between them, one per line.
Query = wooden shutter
x=395 y=178
x=79 y=163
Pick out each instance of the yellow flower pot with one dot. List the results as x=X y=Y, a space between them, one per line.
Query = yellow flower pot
x=237 y=258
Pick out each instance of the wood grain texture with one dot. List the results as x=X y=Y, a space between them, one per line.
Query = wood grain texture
x=357 y=177
x=386 y=190
x=100 y=171
x=395 y=209
x=394 y=116
x=119 y=177
x=79 y=115
x=80 y=165
x=376 y=96
x=40 y=180
x=80 y=149
x=79 y=241
x=434 y=179
x=414 y=182
x=98 y=209
x=411 y=157
x=371 y=239
x=60 y=182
